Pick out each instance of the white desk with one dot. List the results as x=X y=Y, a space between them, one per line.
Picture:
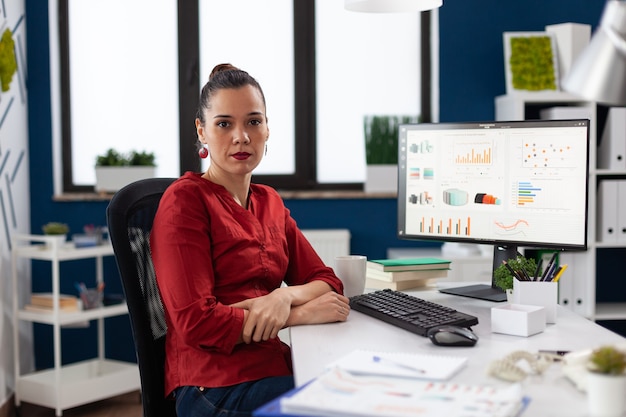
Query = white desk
x=552 y=394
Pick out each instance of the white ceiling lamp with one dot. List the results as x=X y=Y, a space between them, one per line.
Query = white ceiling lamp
x=599 y=72
x=391 y=6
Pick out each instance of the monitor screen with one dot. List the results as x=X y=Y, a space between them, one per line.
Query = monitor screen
x=509 y=184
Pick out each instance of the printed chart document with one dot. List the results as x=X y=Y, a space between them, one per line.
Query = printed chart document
x=398 y=364
x=337 y=393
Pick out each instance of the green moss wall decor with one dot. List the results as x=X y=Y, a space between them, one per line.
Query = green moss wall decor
x=8 y=64
x=531 y=61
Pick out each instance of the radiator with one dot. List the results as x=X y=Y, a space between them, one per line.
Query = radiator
x=329 y=243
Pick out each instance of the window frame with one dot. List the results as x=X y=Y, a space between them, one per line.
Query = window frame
x=305 y=175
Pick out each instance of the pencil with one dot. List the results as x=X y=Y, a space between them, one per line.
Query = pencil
x=559 y=273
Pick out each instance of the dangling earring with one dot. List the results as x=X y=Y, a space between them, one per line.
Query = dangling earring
x=203 y=152
x=266 y=149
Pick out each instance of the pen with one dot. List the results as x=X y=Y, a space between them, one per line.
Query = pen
x=524 y=274
x=551 y=273
x=538 y=269
x=380 y=359
x=549 y=267
x=559 y=273
x=512 y=271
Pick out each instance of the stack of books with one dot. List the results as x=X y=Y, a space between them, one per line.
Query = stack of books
x=43 y=302
x=403 y=274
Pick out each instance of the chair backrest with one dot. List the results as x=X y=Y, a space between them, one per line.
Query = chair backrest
x=129 y=216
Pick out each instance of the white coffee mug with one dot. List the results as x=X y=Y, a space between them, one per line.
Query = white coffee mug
x=351 y=270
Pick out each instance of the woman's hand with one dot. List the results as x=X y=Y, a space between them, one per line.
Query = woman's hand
x=265 y=315
x=327 y=308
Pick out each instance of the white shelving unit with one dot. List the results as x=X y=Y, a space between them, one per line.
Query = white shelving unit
x=577 y=290
x=67 y=386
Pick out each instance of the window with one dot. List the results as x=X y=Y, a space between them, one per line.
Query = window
x=124 y=83
x=316 y=102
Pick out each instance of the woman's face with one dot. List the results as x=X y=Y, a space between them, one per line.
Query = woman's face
x=235 y=129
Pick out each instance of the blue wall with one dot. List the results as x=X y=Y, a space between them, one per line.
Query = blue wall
x=471 y=76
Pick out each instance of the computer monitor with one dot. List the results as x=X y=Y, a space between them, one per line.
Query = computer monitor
x=506 y=184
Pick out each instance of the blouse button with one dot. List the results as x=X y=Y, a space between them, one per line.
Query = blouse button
x=262 y=247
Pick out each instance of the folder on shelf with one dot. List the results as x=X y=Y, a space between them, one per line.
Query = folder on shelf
x=621 y=211
x=608 y=211
x=612 y=143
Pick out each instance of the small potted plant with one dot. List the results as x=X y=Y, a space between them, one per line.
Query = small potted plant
x=57 y=229
x=115 y=169
x=606 y=382
x=381 y=151
x=503 y=277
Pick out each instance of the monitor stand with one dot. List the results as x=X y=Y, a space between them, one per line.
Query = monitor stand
x=485 y=291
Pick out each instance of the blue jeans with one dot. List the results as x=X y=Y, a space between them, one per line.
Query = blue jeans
x=234 y=401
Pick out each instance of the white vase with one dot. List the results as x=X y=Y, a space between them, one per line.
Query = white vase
x=381 y=179
x=55 y=241
x=112 y=178
x=606 y=395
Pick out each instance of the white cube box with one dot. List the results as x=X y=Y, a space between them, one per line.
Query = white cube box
x=518 y=319
x=571 y=39
x=538 y=293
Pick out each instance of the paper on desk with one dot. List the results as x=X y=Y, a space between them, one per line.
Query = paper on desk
x=337 y=393
x=397 y=364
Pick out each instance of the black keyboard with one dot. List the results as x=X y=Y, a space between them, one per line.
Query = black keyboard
x=409 y=312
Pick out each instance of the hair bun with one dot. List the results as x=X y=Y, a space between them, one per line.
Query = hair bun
x=222 y=68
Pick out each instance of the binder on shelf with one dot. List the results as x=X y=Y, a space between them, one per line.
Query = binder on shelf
x=612 y=145
x=608 y=211
x=621 y=211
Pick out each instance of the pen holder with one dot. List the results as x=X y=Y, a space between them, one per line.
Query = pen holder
x=537 y=293
x=91 y=298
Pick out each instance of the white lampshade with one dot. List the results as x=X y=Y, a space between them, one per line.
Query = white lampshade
x=391 y=6
x=599 y=72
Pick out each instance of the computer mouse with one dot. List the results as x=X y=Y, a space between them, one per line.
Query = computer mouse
x=452 y=336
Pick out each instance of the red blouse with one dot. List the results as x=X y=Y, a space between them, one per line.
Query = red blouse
x=210 y=252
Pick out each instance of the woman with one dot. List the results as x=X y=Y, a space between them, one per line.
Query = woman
x=221 y=248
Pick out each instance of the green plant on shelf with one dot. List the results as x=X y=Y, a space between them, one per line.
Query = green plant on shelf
x=55 y=228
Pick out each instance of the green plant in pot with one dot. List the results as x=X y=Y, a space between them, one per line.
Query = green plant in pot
x=381 y=151
x=55 y=228
x=503 y=277
x=381 y=138
x=115 y=169
x=113 y=157
x=607 y=360
x=606 y=382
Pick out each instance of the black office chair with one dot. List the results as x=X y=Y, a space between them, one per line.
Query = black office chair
x=129 y=215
